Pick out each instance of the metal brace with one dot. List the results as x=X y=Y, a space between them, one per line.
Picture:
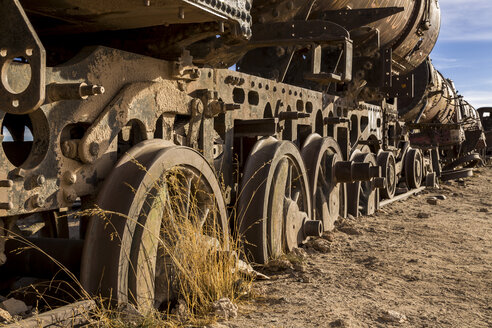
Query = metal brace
x=18 y=40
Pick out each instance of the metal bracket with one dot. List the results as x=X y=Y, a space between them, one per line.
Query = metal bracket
x=401 y=86
x=297 y=33
x=326 y=77
x=183 y=68
x=196 y=109
x=144 y=100
x=20 y=92
x=256 y=127
x=387 y=71
x=354 y=18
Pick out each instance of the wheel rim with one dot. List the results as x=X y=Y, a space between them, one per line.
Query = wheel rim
x=413 y=168
x=388 y=166
x=328 y=197
x=363 y=195
x=133 y=268
x=274 y=200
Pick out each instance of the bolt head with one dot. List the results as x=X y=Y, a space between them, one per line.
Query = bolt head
x=19 y=172
x=69 y=148
x=70 y=177
x=40 y=180
x=37 y=201
x=94 y=148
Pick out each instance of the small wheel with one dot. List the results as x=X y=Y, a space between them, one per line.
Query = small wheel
x=328 y=196
x=386 y=160
x=274 y=201
x=151 y=188
x=414 y=168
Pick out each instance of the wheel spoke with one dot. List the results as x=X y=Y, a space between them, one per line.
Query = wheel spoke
x=296 y=196
x=320 y=198
x=204 y=218
x=169 y=206
x=289 y=182
x=323 y=180
x=188 y=198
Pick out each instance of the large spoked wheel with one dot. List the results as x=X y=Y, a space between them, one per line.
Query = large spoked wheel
x=414 y=168
x=386 y=160
x=363 y=196
x=151 y=189
x=328 y=196
x=274 y=201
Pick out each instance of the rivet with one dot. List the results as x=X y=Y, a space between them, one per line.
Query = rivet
x=40 y=180
x=37 y=201
x=70 y=177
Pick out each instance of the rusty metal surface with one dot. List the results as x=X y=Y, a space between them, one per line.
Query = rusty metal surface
x=411 y=33
x=364 y=125
x=22 y=90
x=125 y=269
x=66 y=16
x=435 y=98
x=328 y=195
x=280 y=193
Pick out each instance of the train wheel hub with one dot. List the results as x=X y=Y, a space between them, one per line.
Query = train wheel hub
x=293 y=224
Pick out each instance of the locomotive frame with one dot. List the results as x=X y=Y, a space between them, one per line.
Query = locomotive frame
x=349 y=149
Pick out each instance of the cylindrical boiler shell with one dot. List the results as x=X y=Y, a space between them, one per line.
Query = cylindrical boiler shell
x=411 y=33
x=435 y=98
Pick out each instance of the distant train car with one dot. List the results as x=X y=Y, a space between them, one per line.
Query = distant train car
x=486 y=118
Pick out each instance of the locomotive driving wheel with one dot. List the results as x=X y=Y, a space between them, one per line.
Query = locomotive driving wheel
x=274 y=202
x=414 y=168
x=386 y=160
x=363 y=196
x=152 y=187
x=328 y=196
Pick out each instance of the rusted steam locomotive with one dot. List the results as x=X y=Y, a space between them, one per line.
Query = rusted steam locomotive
x=332 y=107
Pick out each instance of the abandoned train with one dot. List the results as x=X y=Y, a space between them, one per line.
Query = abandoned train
x=288 y=113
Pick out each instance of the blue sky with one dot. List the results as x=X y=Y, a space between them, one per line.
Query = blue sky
x=463 y=52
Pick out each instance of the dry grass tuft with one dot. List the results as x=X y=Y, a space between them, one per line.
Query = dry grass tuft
x=199 y=262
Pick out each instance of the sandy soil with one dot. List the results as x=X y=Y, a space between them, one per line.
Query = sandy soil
x=430 y=263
